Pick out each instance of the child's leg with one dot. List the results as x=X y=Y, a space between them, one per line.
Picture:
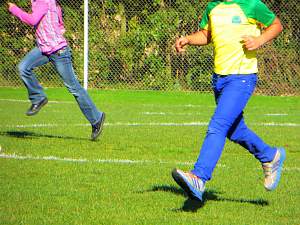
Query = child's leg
x=63 y=64
x=232 y=94
x=33 y=59
x=241 y=134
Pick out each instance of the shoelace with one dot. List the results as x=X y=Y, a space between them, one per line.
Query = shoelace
x=195 y=180
x=192 y=175
x=268 y=170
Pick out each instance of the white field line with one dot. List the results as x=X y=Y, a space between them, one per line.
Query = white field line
x=170 y=113
x=149 y=113
x=79 y=160
x=276 y=114
x=183 y=105
x=27 y=101
x=62 y=102
x=273 y=124
x=158 y=124
x=198 y=113
x=49 y=125
x=111 y=161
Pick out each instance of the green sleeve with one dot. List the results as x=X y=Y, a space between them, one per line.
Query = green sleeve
x=263 y=14
x=204 y=21
x=205 y=16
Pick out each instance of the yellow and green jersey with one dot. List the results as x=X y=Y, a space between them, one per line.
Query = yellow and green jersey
x=228 y=21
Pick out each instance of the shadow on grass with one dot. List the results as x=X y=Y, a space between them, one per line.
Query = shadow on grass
x=192 y=205
x=27 y=134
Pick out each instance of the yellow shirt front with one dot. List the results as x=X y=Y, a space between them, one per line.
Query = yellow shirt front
x=228 y=22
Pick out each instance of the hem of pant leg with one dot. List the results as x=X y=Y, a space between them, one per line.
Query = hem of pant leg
x=34 y=103
x=270 y=160
x=98 y=120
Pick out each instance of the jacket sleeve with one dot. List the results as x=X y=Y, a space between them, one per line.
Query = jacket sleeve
x=39 y=9
x=60 y=19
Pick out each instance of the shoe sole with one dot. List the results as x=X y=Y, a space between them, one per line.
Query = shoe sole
x=185 y=185
x=41 y=106
x=100 y=128
x=281 y=160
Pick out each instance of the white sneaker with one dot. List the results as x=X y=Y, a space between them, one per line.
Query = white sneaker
x=272 y=170
x=190 y=183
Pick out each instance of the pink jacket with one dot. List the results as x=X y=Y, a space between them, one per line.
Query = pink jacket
x=46 y=17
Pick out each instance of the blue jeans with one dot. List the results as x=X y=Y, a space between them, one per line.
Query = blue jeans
x=63 y=65
x=231 y=94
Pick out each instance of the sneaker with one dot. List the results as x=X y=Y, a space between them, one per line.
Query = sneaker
x=272 y=170
x=97 y=128
x=190 y=183
x=35 y=108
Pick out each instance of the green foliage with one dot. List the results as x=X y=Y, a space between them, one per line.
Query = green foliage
x=131 y=45
x=154 y=73
x=148 y=40
x=200 y=69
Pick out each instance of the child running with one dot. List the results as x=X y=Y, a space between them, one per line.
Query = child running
x=234 y=29
x=46 y=18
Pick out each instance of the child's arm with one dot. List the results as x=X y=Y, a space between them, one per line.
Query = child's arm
x=60 y=19
x=271 y=32
x=198 y=38
x=32 y=19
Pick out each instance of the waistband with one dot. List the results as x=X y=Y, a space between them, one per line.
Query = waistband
x=60 y=51
x=224 y=76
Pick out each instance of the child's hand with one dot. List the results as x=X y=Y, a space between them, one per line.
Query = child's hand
x=251 y=43
x=180 y=43
x=10 y=5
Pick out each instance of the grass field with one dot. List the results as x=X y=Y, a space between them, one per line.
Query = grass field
x=51 y=173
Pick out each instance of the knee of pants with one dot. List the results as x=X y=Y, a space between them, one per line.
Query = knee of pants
x=238 y=133
x=75 y=89
x=23 y=69
x=235 y=137
x=218 y=126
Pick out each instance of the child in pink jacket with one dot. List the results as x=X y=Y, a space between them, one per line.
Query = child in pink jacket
x=46 y=18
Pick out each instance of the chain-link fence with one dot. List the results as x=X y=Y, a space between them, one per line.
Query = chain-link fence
x=131 y=46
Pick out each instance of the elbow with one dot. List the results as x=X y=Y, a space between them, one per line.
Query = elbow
x=280 y=28
x=33 y=22
x=30 y=22
x=279 y=25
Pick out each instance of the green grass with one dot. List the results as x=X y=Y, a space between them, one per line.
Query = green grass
x=43 y=190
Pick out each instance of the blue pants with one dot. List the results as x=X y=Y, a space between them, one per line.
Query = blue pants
x=231 y=94
x=63 y=65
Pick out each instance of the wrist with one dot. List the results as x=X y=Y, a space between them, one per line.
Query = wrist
x=188 y=39
x=261 y=41
x=12 y=8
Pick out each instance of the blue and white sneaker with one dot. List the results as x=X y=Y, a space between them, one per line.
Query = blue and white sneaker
x=272 y=170
x=190 y=183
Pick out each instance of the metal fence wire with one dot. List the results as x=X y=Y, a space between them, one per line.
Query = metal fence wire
x=131 y=46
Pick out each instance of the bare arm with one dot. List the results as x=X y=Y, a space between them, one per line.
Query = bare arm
x=271 y=32
x=198 y=38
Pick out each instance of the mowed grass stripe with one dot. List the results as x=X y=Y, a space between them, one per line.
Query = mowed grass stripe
x=56 y=175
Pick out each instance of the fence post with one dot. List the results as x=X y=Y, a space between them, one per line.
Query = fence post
x=86 y=44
